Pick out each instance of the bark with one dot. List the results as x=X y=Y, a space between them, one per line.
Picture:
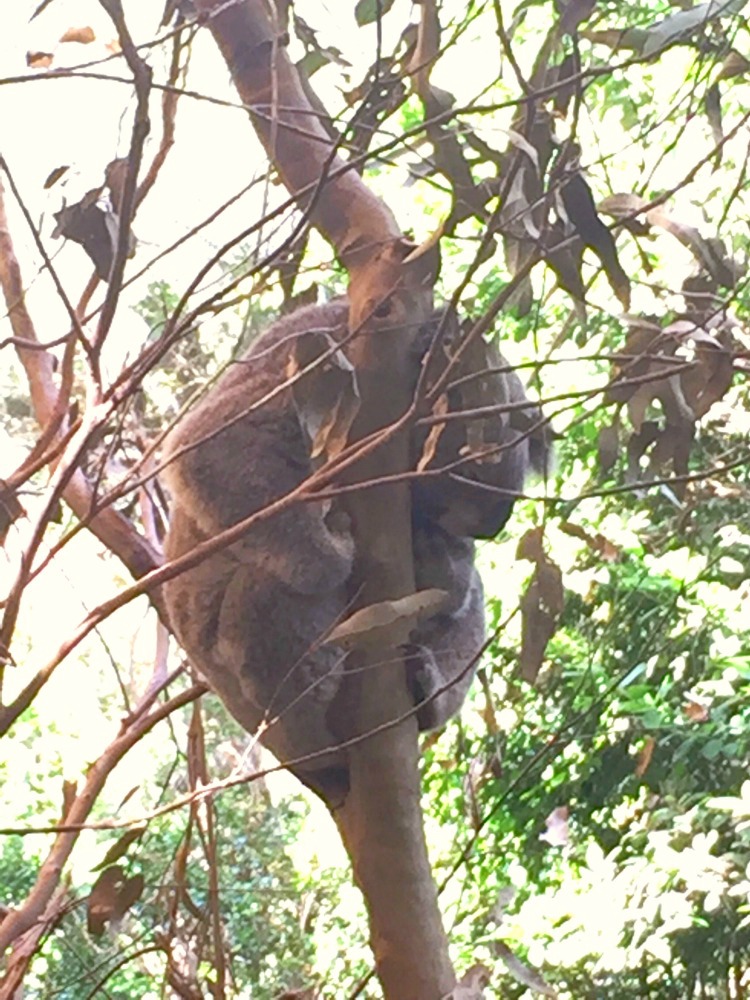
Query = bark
x=380 y=820
x=342 y=208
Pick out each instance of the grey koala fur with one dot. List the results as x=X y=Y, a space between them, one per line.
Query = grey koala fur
x=253 y=617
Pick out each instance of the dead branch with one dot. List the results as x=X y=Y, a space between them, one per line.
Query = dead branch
x=114 y=530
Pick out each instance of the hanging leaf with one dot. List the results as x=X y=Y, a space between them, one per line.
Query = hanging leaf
x=115 y=175
x=679 y=26
x=367 y=11
x=712 y=371
x=70 y=789
x=84 y=36
x=531 y=545
x=86 y=223
x=567 y=81
x=541 y=607
x=120 y=846
x=672 y=30
x=10 y=509
x=378 y=624
x=644 y=756
x=581 y=210
x=713 y=113
x=111 y=897
x=429 y=448
x=39 y=60
x=608 y=447
x=54 y=176
x=735 y=64
x=596 y=542
x=521 y=971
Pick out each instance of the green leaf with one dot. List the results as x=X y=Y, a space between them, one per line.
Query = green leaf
x=366 y=11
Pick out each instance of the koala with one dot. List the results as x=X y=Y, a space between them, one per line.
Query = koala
x=475 y=498
x=254 y=617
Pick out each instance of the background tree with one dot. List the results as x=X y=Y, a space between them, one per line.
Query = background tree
x=623 y=721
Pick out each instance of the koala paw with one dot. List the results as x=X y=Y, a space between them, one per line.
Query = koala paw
x=422 y=676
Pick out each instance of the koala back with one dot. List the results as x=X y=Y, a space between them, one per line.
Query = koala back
x=252 y=615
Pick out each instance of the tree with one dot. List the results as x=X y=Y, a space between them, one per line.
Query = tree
x=645 y=420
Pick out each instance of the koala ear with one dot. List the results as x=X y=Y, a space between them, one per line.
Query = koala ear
x=326 y=398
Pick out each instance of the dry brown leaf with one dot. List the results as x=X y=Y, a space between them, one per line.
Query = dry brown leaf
x=608 y=446
x=735 y=64
x=638 y=444
x=609 y=551
x=90 y=224
x=428 y=451
x=597 y=542
x=39 y=60
x=700 y=374
x=530 y=546
x=694 y=711
x=613 y=38
x=111 y=897
x=575 y=531
x=100 y=905
x=673 y=447
x=84 y=35
x=644 y=343
x=54 y=176
x=712 y=373
x=644 y=756
x=678 y=27
x=475 y=776
x=488 y=713
x=541 y=607
x=638 y=405
x=674 y=29
x=710 y=252
x=11 y=509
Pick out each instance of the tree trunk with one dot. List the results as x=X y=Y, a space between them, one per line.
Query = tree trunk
x=380 y=820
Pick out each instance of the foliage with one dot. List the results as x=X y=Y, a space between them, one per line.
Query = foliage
x=589 y=818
